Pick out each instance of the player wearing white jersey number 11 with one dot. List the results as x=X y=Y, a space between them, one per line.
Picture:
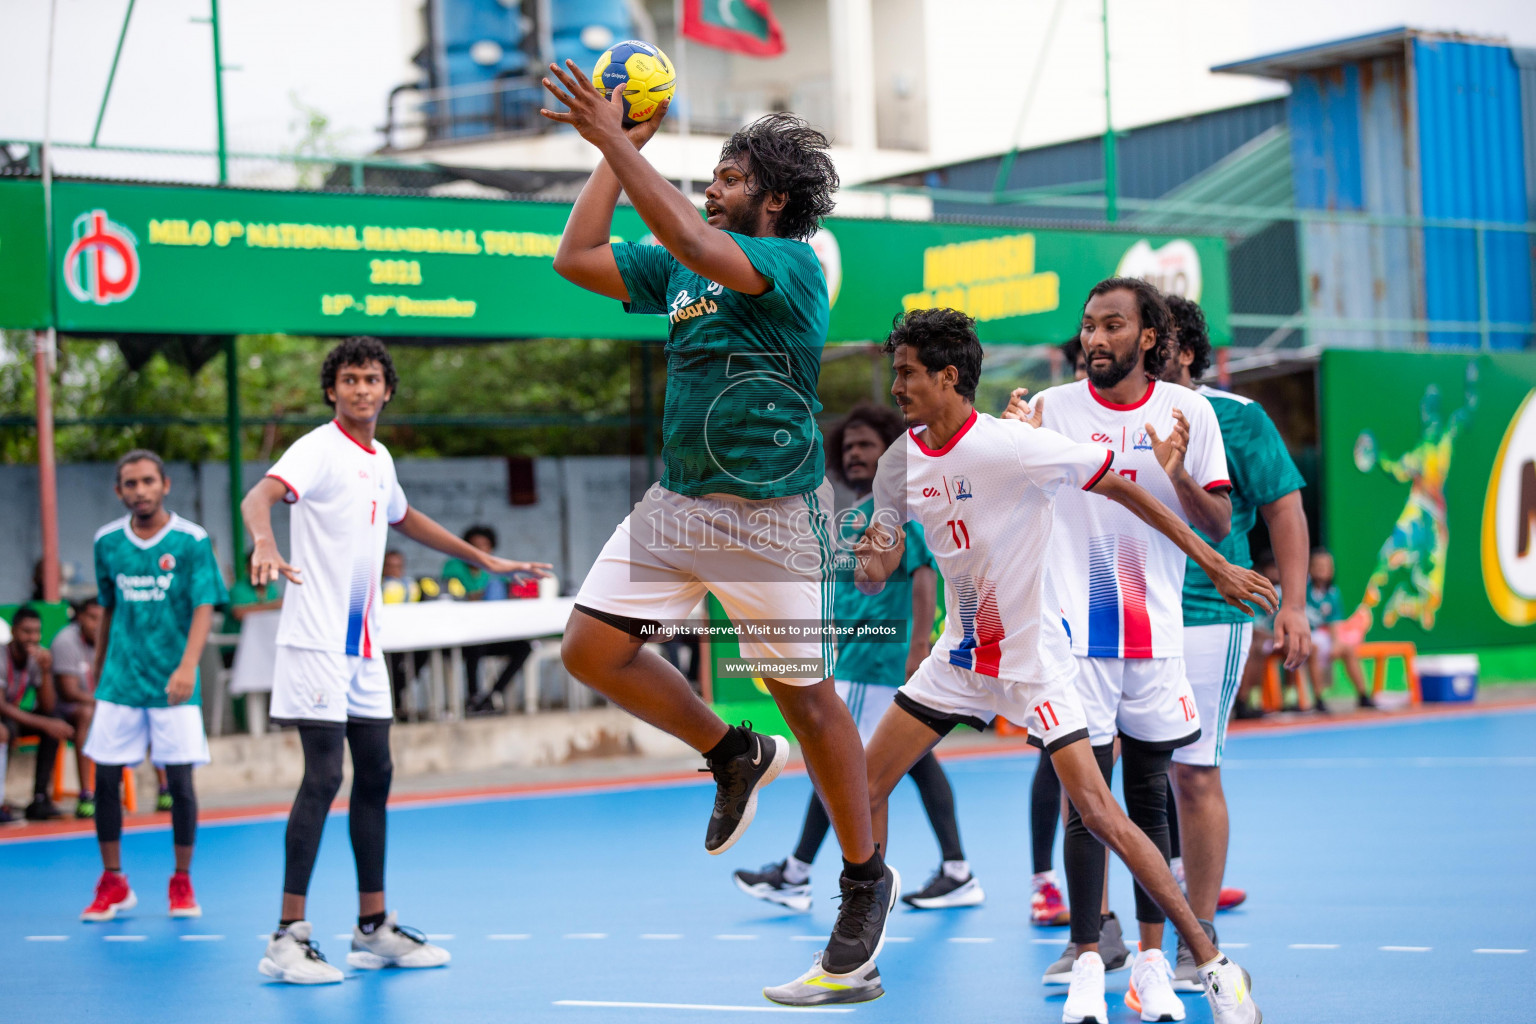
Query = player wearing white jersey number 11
x=985 y=492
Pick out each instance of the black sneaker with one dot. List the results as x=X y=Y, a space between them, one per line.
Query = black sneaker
x=1365 y=702
x=942 y=891
x=43 y=809
x=859 y=934
x=771 y=885
x=737 y=781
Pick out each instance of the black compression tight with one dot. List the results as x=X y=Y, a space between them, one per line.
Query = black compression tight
x=1145 y=785
x=938 y=801
x=109 y=803
x=1085 y=859
x=1044 y=812
x=372 y=772
x=1173 y=825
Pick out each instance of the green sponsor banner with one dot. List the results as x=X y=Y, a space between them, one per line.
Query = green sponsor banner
x=23 y=261
x=1430 y=488
x=204 y=260
x=1023 y=286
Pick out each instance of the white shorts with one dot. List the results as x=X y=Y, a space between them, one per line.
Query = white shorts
x=1147 y=699
x=328 y=686
x=867 y=703
x=1214 y=657
x=121 y=734
x=765 y=561
x=1052 y=711
x=1322 y=643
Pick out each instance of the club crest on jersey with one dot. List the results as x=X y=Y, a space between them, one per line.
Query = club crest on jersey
x=167 y=562
x=1141 y=441
x=962 y=488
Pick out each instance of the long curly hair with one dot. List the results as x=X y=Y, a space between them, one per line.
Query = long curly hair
x=356 y=351
x=940 y=338
x=787 y=155
x=1151 y=311
x=1190 y=333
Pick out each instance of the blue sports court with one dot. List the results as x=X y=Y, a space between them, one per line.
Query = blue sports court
x=1389 y=867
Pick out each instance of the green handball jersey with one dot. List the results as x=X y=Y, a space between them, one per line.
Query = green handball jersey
x=881 y=661
x=151 y=587
x=1261 y=471
x=742 y=370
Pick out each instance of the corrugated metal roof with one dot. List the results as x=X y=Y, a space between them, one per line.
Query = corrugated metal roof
x=1472 y=160
x=1258 y=173
x=1385 y=43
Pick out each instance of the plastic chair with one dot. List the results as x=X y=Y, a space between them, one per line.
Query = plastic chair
x=1380 y=653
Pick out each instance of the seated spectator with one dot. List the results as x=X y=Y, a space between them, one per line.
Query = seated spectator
x=74 y=656
x=472 y=583
x=27 y=708
x=245 y=599
x=465 y=582
x=1324 y=607
x=398 y=588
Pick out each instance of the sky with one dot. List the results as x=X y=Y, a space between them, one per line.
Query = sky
x=341 y=57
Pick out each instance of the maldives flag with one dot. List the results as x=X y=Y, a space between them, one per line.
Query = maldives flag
x=744 y=26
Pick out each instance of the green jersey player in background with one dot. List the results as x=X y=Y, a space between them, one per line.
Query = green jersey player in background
x=742 y=508
x=158 y=583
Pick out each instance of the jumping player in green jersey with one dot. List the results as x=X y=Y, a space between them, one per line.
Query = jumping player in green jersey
x=742 y=508
x=158 y=583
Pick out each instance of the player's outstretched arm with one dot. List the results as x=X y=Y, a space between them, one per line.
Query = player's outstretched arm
x=1288 y=536
x=1239 y=586
x=423 y=529
x=585 y=257
x=667 y=212
x=256 y=509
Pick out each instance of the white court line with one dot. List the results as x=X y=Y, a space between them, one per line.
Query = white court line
x=736 y=938
x=807 y=938
x=702 y=1006
x=1234 y=945
x=1314 y=945
x=967 y=938
x=1045 y=942
x=661 y=936
x=124 y=938
x=1405 y=949
x=339 y=936
x=503 y=937
x=47 y=938
x=898 y=938
x=1501 y=951
x=202 y=938
x=439 y=937
x=585 y=935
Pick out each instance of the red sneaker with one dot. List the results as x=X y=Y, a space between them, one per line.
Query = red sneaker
x=1045 y=907
x=112 y=895
x=183 y=902
x=1230 y=898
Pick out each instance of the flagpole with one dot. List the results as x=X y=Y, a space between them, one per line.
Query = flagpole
x=685 y=107
x=45 y=351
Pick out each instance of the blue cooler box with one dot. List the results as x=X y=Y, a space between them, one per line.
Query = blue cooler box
x=1447 y=677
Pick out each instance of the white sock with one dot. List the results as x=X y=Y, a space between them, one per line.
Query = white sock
x=1045 y=878
x=796 y=872
x=959 y=870
x=1176 y=865
x=5 y=754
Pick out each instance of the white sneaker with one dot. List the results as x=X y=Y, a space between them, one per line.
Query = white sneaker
x=1151 y=988
x=1085 y=999
x=1226 y=989
x=291 y=957
x=393 y=946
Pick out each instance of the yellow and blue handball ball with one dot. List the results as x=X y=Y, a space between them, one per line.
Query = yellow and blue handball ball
x=642 y=71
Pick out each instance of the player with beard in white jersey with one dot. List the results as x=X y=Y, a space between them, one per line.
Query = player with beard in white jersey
x=1121 y=586
x=984 y=491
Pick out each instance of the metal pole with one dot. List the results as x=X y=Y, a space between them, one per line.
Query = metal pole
x=1485 y=342
x=1111 y=197
x=218 y=92
x=236 y=468
x=44 y=344
x=1006 y=167
x=112 y=75
x=685 y=106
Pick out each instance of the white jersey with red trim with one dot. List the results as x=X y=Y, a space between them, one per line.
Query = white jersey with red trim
x=985 y=501
x=1122 y=581
x=344 y=498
